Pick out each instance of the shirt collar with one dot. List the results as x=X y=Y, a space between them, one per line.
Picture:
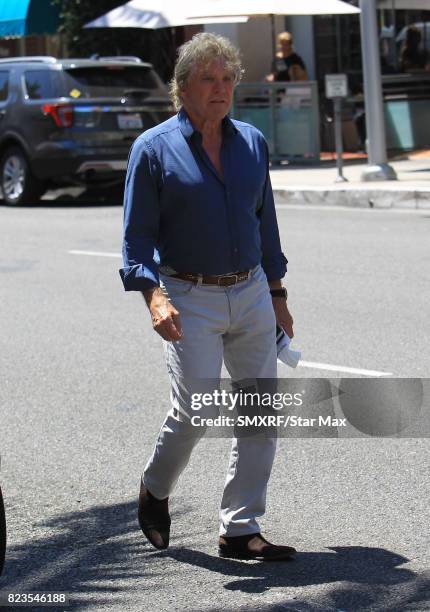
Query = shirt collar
x=188 y=130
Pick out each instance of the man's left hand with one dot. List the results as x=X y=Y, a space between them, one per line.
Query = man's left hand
x=283 y=316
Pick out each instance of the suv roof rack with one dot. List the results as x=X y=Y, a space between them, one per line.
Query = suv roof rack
x=120 y=58
x=79 y=62
x=44 y=59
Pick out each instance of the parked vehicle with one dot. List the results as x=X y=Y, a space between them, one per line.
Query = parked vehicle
x=72 y=121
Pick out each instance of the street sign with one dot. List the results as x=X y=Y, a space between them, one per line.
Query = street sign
x=336 y=85
x=336 y=88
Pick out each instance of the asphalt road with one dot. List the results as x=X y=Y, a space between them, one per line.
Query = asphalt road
x=84 y=390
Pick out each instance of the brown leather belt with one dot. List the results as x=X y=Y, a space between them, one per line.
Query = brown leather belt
x=223 y=280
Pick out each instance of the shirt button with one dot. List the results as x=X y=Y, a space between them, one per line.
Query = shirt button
x=235 y=250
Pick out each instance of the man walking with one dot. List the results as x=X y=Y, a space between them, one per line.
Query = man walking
x=201 y=243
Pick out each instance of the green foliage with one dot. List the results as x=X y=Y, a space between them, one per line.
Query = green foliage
x=155 y=46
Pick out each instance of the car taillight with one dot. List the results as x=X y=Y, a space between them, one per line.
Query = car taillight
x=61 y=113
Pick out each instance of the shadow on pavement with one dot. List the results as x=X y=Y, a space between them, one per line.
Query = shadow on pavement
x=86 y=554
x=98 y=556
x=375 y=580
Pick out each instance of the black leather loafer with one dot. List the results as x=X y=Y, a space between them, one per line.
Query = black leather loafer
x=154 y=518
x=253 y=546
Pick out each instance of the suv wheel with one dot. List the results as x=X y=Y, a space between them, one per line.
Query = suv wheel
x=18 y=184
x=2 y=533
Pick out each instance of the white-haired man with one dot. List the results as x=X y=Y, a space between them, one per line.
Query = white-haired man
x=201 y=243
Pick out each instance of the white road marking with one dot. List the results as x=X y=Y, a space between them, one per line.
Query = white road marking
x=303 y=364
x=337 y=368
x=95 y=253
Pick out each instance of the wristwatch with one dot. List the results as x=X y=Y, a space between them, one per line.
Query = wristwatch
x=279 y=293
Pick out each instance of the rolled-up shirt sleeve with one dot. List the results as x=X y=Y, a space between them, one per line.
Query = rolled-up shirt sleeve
x=141 y=219
x=274 y=262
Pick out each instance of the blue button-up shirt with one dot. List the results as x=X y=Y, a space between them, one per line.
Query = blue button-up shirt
x=181 y=215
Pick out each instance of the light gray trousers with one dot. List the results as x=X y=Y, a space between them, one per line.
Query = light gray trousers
x=236 y=324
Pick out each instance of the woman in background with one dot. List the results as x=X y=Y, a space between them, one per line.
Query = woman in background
x=287 y=65
x=412 y=57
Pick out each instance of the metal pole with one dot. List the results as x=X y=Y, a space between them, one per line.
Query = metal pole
x=338 y=139
x=378 y=169
x=21 y=46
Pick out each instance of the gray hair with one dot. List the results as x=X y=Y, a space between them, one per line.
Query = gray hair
x=201 y=50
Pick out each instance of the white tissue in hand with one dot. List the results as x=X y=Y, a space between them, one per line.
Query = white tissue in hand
x=285 y=354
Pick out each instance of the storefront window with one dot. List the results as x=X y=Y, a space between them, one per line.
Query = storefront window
x=405 y=40
x=404 y=43
x=404 y=37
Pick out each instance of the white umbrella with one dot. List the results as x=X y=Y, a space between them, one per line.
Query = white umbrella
x=253 y=8
x=155 y=14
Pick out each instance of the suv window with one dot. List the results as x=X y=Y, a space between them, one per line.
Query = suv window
x=41 y=84
x=4 y=85
x=105 y=81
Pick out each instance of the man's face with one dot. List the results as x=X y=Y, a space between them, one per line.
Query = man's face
x=208 y=92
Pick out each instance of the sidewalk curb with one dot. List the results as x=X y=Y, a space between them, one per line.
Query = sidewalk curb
x=355 y=198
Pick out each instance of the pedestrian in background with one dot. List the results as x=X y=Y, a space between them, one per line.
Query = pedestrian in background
x=201 y=243
x=412 y=57
x=287 y=64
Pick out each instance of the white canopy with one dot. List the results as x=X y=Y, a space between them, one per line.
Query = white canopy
x=218 y=8
x=155 y=14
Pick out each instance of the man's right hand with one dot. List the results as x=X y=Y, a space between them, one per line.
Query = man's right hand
x=165 y=317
